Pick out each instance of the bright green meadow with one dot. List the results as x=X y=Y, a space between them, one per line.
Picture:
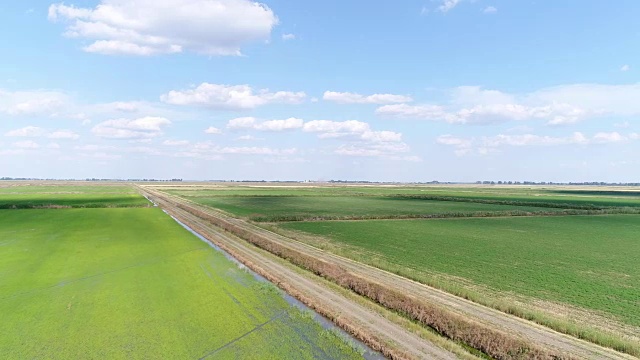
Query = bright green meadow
x=79 y=196
x=591 y=262
x=131 y=283
x=289 y=208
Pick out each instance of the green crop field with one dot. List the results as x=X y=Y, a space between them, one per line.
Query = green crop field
x=586 y=261
x=127 y=283
x=78 y=196
x=527 y=196
x=290 y=208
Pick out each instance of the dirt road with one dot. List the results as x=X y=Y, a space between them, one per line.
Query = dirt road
x=495 y=319
x=312 y=292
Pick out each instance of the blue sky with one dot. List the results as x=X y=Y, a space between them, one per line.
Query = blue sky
x=391 y=91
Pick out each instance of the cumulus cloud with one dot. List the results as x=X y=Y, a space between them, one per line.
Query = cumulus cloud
x=142 y=128
x=230 y=97
x=268 y=125
x=328 y=128
x=34 y=131
x=448 y=5
x=353 y=98
x=560 y=105
x=288 y=37
x=175 y=142
x=487 y=144
x=625 y=67
x=212 y=130
x=28 y=144
x=28 y=131
x=151 y=27
x=64 y=134
x=490 y=10
x=31 y=103
x=382 y=149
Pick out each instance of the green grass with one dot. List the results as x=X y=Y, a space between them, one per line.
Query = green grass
x=290 y=208
x=531 y=196
x=26 y=188
x=87 y=196
x=132 y=283
x=586 y=261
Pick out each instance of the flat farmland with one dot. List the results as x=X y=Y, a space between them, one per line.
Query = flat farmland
x=74 y=196
x=132 y=283
x=297 y=208
x=537 y=196
x=590 y=262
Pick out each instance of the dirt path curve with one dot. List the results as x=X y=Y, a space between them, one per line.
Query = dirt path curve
x=496 y=319
x=408 y=344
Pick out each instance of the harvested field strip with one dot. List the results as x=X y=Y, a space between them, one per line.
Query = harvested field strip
x=495 y=343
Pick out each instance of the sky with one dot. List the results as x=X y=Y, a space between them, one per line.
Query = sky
x=409 y=91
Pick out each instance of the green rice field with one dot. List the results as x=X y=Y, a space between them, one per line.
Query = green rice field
x=131 y=283
x=587 y=261
x=296 y=208
x=73 y=196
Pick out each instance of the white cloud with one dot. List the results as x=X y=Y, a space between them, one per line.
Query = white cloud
x=34 y=131
x=31 y=103
x=560 y=105
x=208 y=149
x=268 y=125
x=247 y=138
x=212 y=130
x=328 y=128
x=484 y=145
x=175 y=142
x=53 y=146
x=28 y=144
x=29 y=131
x=230 y=97
x=625 y=67
x=381 y=136
x=288 y=37
x=353 y=98
x=448 y=5
x=142 y=128
x=64 y=134
x=150 y=27
x=382 y=150
x=490 y=10
x=609 y=137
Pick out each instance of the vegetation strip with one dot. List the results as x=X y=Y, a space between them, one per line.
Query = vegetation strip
x=389 y=350
x=494 y=343
x=446 y=215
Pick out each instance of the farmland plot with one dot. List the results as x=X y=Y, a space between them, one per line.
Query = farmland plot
x=132 y=283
